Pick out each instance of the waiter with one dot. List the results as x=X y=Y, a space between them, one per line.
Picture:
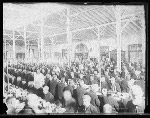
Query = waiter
x=38 y=79
x=38 y=83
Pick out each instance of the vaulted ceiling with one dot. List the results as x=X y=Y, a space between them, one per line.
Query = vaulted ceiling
x=84 y=21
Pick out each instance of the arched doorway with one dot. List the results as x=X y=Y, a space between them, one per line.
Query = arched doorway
x=81 y=51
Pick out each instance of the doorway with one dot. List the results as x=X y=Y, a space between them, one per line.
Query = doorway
x=81 y=51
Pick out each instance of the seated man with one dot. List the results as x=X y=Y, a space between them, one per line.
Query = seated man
x=108 y=99
x=32 y=106
x=24 y=84
x=137 y=102
x=70 y=86
x=47 y=79
x=93 y=94
x=107 y=108
x=115 y=87
x=18 y=82
x=70 y=102
x=11 y=103
x=89 y=108
x=92 y=80
x=104 y=84
x=47 y=95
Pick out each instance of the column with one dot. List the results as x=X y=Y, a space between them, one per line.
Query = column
x=29 y=53
x=52 y=50
x=42 y=40
x=28 y=50
x=25 y=48
x=99 y=59
x=5 y=50
x=143 y=38
x=118 y=33
x=39 y=54
x=69 y=37
x=14 y=51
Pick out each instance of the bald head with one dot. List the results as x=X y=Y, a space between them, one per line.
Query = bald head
x=67 y=95
x=45 y=89
x=86 y=100
x=137 y=90
x=112 y=80
x=94 y=87
x=107 y=108
x=32 y=100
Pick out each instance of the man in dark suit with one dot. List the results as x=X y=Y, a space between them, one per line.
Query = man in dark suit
x=47 y=79
x=114 y=86
x=80 y=91
x=24 y=84
x=52 y=85
x=60 y=89
x=70 y=102
x=108 y=99
x=94 y=98
x=26 y=76
x=66 y=76
x=47 y=95
x=70 y=86
x=96 y=78
x=23 y=73
x=107 y=79
x=118 y=79
x=73 y=77
x=18 y=82
x=43 y=71
x=92 y=80
x=89 y=108
x=30 y=77
x=19 y=73
x=104 y=83
x=75 y=73
x=124 y=84
x=87 y=77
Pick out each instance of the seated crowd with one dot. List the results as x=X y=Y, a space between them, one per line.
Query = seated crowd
x=80 y=88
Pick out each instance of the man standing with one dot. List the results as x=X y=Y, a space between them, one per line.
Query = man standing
x=115 y=87
x=73 y=77
x=92 y=80
x=94 y=98
x=52 y=85
x=80 y=91
x=70 y=86
x=60 y=89
x=38 y=83
x=38 y=79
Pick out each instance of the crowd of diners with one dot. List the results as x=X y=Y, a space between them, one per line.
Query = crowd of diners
x=81 y=87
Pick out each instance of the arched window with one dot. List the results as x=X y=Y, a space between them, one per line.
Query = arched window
x=81 y=51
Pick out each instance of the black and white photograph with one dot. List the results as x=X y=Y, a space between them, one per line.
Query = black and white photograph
x=63 y=58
